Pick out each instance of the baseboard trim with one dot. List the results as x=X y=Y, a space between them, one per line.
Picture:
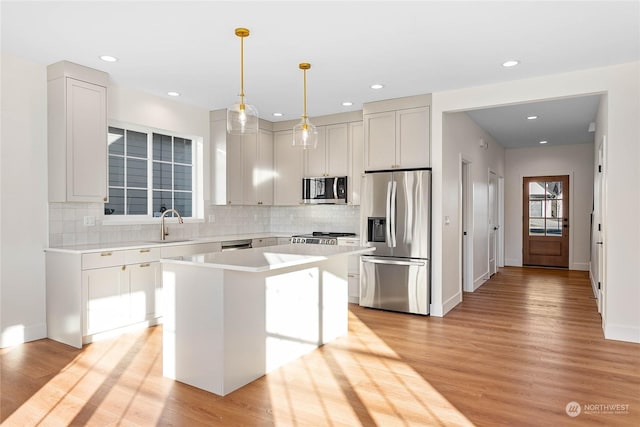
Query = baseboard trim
x=16 y=335
x=480 y=281
x=622 y=333
x=513 y=262
x=451 y=303
x=581 y=266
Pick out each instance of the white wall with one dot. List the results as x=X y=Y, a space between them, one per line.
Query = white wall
x=622 y=246
x=573 y=160
x=23 y=221
x=461 y=137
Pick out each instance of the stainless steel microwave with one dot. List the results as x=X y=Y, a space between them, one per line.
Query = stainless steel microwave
x=326 y=189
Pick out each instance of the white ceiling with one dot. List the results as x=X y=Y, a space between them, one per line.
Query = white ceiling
x=411 y=47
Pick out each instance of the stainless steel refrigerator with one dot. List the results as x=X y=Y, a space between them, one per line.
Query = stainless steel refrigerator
x=395 y=218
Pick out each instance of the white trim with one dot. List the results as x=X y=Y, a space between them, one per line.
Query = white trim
x=622 y=333
x=580 y=266
x=480 y=281
x=513 y=262
x=436 y=310
x=16 y=335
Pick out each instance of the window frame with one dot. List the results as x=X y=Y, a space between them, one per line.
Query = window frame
x=197 y=181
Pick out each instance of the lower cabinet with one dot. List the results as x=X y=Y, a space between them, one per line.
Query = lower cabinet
x=99 y=292
x=353 y=270
x=262 y=242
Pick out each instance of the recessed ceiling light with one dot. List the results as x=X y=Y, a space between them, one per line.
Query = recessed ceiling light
x=376 y=86
x=108 y=58
x=543 y=142
x=511 y=63
x=173 y=94
x=347 y=104
x=277 y=114
x=532 y=117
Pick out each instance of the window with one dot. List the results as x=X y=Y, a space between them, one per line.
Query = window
x=150 y=172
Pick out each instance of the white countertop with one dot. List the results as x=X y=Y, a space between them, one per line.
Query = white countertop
x=114 y=246
x=268 y=258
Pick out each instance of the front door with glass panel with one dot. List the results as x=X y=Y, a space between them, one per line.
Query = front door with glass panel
x=545 y=240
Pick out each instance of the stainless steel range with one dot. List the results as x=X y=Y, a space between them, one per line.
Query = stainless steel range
x=320 y=238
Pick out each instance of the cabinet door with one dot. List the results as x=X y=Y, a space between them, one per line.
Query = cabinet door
x=249 y=169
x=144 y=282
x=379 y=140
x=234 y=169
x=107 y=298
x=264 y=168
x=356 y=161
x=412 y=138
x=337 y=141
x=86 y=115
x=316 y=159
x=288 y=162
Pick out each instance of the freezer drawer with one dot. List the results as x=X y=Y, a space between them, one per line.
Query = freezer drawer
x=396 y=284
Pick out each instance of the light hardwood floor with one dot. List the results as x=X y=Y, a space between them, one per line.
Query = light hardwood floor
x=514 y=353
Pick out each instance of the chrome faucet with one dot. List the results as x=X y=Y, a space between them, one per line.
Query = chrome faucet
x=163 y=229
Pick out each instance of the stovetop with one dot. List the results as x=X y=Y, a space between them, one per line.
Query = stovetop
x=326 y=234
x=320 y=238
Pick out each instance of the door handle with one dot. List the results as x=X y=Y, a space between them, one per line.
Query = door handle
x=394 y=262
x=387 y=227
x=599 y=243
x=394 y=202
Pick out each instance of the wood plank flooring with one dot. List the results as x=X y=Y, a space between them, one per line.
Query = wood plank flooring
x=514 y=353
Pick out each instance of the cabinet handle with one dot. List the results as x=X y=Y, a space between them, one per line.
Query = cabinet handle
x=229 y=202
x=124 y=267
x=144 y=265
x=144 y=251
x=106 y=254
x=104 y=199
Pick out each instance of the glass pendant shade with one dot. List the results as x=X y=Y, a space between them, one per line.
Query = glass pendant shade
x=242 y=118
x=305 y=135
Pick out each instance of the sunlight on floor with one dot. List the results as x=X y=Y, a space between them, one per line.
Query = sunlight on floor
x=363 y=382
x=85 y=393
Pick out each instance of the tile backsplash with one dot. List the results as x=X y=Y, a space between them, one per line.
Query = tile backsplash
x=67 y=223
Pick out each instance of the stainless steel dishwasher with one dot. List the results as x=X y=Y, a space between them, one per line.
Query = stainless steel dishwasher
x=234 y=245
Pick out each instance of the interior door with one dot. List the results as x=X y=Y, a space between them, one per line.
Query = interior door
x=493 y=223
x=545 y=237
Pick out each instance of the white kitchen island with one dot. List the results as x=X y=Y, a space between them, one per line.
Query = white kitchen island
x=231 y=317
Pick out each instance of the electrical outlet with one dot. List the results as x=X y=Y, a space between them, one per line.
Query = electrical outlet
x=89 y=221
x=212 y=218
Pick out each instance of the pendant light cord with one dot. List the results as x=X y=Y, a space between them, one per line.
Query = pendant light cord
x=305 y=94
x=241 y=70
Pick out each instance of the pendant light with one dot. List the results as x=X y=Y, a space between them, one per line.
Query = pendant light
x=242 y=118
x=304 y=133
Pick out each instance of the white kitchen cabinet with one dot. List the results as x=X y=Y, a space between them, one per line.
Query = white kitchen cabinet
x=145 y=291
x=257 y=169
x=77 y=133
x=288 y=165
x=356 y=162
x=106 y=299
x=234 y=168
x=353 y=269
x=96 y=292
x=330 y=158
x=262 y=242
x=397 y=139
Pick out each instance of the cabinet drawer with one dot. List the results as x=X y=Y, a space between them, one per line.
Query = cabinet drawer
x=137 y=256
x=103 y=259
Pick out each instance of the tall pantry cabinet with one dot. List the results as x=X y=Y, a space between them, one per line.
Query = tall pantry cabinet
x=77 y=133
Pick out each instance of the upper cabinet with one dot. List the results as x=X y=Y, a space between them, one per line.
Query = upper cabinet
x=288 y=164
x=257 y=169
x=356 y=161
x=77 y=133
x=241 y=165
x=397 y=133
x=330 y=158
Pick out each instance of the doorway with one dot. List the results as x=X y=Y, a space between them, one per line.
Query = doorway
x=493 y=223
x=545 y=227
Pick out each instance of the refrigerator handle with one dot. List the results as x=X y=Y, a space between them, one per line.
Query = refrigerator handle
x=392 y=261
x=387 y=222
x=394 y=202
